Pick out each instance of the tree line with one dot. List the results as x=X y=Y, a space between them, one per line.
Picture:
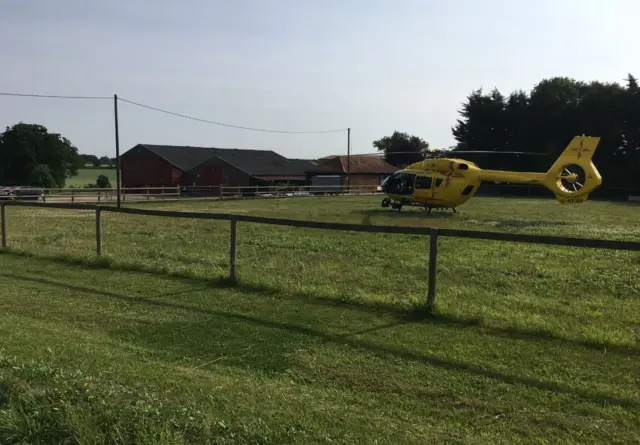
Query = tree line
x=94 y=161
x=541 y=123
x=30 y=155
x=545 y=120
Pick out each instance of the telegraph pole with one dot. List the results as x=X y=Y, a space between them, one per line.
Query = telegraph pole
x=348 y=160
x=115 y=112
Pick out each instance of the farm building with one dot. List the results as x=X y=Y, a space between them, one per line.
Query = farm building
x=147 y=165
x=364 y=170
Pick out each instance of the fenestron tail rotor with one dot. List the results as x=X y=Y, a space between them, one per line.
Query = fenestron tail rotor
x=572 y=178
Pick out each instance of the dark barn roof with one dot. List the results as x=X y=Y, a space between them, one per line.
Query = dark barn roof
x=252 y=162
x=298 y=167
x=357 y=164
x=183 y=157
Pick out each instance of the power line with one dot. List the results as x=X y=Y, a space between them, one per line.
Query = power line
x=228 y=125
x=55 y=96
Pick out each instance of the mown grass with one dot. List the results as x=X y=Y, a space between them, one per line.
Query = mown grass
x=320 y=341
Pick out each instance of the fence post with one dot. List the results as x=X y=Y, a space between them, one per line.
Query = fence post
x=232 y=250
x=433 y=259
x=98 y=231
x=3 y=223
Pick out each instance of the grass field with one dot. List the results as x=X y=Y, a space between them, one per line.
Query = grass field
x=89 y=175
x=319 y=343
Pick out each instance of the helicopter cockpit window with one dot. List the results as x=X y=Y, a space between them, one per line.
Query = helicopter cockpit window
x=400 y=184
x=467 y=190
x=423 y=182
x=438 y=182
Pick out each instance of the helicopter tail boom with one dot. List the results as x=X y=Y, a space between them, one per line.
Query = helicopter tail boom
x=571 y=178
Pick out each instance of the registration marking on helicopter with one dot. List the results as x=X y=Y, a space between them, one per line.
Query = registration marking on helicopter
x=581 y=149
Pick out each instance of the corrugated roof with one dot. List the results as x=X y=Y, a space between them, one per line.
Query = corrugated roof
x=252 y=162
x=300 y=166
x=182 y=156
x=358 y=165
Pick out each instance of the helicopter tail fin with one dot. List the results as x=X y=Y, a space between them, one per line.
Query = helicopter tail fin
x=574 y=176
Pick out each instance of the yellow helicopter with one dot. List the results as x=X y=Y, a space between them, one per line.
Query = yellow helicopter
x=450 y=182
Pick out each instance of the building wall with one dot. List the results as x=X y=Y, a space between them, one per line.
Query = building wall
x=362 y=180
x=229 y=175
x=326 y=183
x=142 y=168
x=357 y=180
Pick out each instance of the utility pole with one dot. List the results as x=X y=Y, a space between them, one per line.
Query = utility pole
x=115 y=112
x=348 y=160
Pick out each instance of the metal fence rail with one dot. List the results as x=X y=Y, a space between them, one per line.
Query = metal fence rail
x=433 y=233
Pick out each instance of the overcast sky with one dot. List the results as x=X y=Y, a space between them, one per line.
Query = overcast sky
x=298 y=65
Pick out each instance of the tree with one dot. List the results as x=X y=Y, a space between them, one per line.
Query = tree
x=103 y=182
x=105 y=160
x=41 y=177
x=629 y=149
x=484 y=126
x=23 y=147
x=401 y=149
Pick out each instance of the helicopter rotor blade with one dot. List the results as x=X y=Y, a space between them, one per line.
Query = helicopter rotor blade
x=494 y=152
x=451 y=153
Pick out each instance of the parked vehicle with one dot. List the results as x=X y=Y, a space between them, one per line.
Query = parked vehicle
x=5 y=193
x=22 y=194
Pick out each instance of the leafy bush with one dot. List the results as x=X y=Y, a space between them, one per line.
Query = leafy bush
x=103 y=182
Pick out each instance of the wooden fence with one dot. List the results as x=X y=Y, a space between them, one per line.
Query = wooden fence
x=433 y=233
x=142 y=194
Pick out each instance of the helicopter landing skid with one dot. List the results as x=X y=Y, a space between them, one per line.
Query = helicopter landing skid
x=395 y=205
x=428 y=208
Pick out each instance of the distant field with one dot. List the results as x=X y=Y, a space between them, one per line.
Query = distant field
x=318 y=344
x=90 y=175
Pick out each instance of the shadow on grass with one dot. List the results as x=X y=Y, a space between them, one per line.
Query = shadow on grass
x=368 y=215
x=274 y=334
x=218 y=339
x=443 y=214
x=415 y=314
x=510 y=223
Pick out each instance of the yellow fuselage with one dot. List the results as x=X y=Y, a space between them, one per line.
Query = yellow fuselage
x=435 y=183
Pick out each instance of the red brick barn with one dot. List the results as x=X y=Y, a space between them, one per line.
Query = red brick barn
x=365 y=171
x=147 y=165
